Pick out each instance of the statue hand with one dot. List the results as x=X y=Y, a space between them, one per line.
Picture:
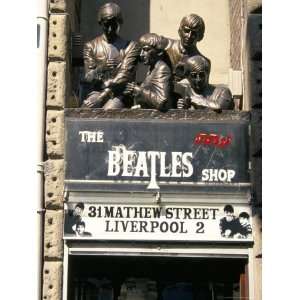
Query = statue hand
x=96 y=99
x=92 y=100
x=111 y=63
x=129 y=88
x=183 y=103
x=180 y=103
x=107 y=84
x=93 y=75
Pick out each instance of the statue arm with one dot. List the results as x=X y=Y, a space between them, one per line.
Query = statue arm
x=221 y=98
x=91 y=69
x=156 y=93
x=126 y=71
x=199 y=101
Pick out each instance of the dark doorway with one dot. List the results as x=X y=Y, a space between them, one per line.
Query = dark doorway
x=99 y=277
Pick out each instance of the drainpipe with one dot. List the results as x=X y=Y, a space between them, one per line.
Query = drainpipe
x=42 y=45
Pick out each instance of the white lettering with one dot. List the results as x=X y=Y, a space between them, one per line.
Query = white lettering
x=153 y=155
x=141 y=165
x=176 y=164
x=205 y=175
x=230 y=175
x=91 y=136
x=222 y=175
x=187 y=164
x=217 y=175
x=99 y=137
x=163 y=172
x=82 y=133
x=128 y=157
x=144 y=164
x=113 y=163
x=213 y=175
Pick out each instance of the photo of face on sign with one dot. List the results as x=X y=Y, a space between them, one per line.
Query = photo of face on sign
x=80 y=229
x=235 y=227
x=74 y=224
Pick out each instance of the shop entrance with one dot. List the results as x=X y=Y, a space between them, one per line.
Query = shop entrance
x=156 y=278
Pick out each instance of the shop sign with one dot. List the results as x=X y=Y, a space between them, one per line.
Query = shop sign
x=211 y=223
x=140 y=155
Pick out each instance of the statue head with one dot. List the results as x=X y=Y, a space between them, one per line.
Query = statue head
x=191 y=30
x=110 y=18
x=196 y=70
x=153 y=47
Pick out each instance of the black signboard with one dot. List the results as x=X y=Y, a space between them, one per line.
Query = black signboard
x=144 y=155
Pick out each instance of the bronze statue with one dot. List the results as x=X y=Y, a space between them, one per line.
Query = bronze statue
x=195 y=89
x=109 y=62
x=155 y=91
x=191 y=31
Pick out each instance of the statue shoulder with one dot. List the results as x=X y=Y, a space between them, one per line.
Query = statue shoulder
x=132 y=45
x=163 y=68
x=222 y=90
x=132 y=49
x=223 y=96
x=94 y=42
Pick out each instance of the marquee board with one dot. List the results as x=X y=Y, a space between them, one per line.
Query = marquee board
x=142 y=155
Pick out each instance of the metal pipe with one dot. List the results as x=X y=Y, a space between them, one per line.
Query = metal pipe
x=42 y=45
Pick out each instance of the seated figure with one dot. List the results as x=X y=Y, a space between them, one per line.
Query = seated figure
x=155 y=91
x=109 y=62
x=195 y=90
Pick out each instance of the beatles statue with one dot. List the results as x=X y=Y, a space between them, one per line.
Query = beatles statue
x=155 y=91
x=178 y=74
x=195 y=90
x=109 y=62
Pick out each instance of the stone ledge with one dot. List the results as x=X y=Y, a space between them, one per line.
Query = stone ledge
x=172 y=114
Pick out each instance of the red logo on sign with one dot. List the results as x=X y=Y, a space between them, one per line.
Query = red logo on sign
x=212 y=139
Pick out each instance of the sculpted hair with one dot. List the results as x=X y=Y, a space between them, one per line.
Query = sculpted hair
x=197 y=63
x=109 y=11
x=153 y=40
x=194 y=21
